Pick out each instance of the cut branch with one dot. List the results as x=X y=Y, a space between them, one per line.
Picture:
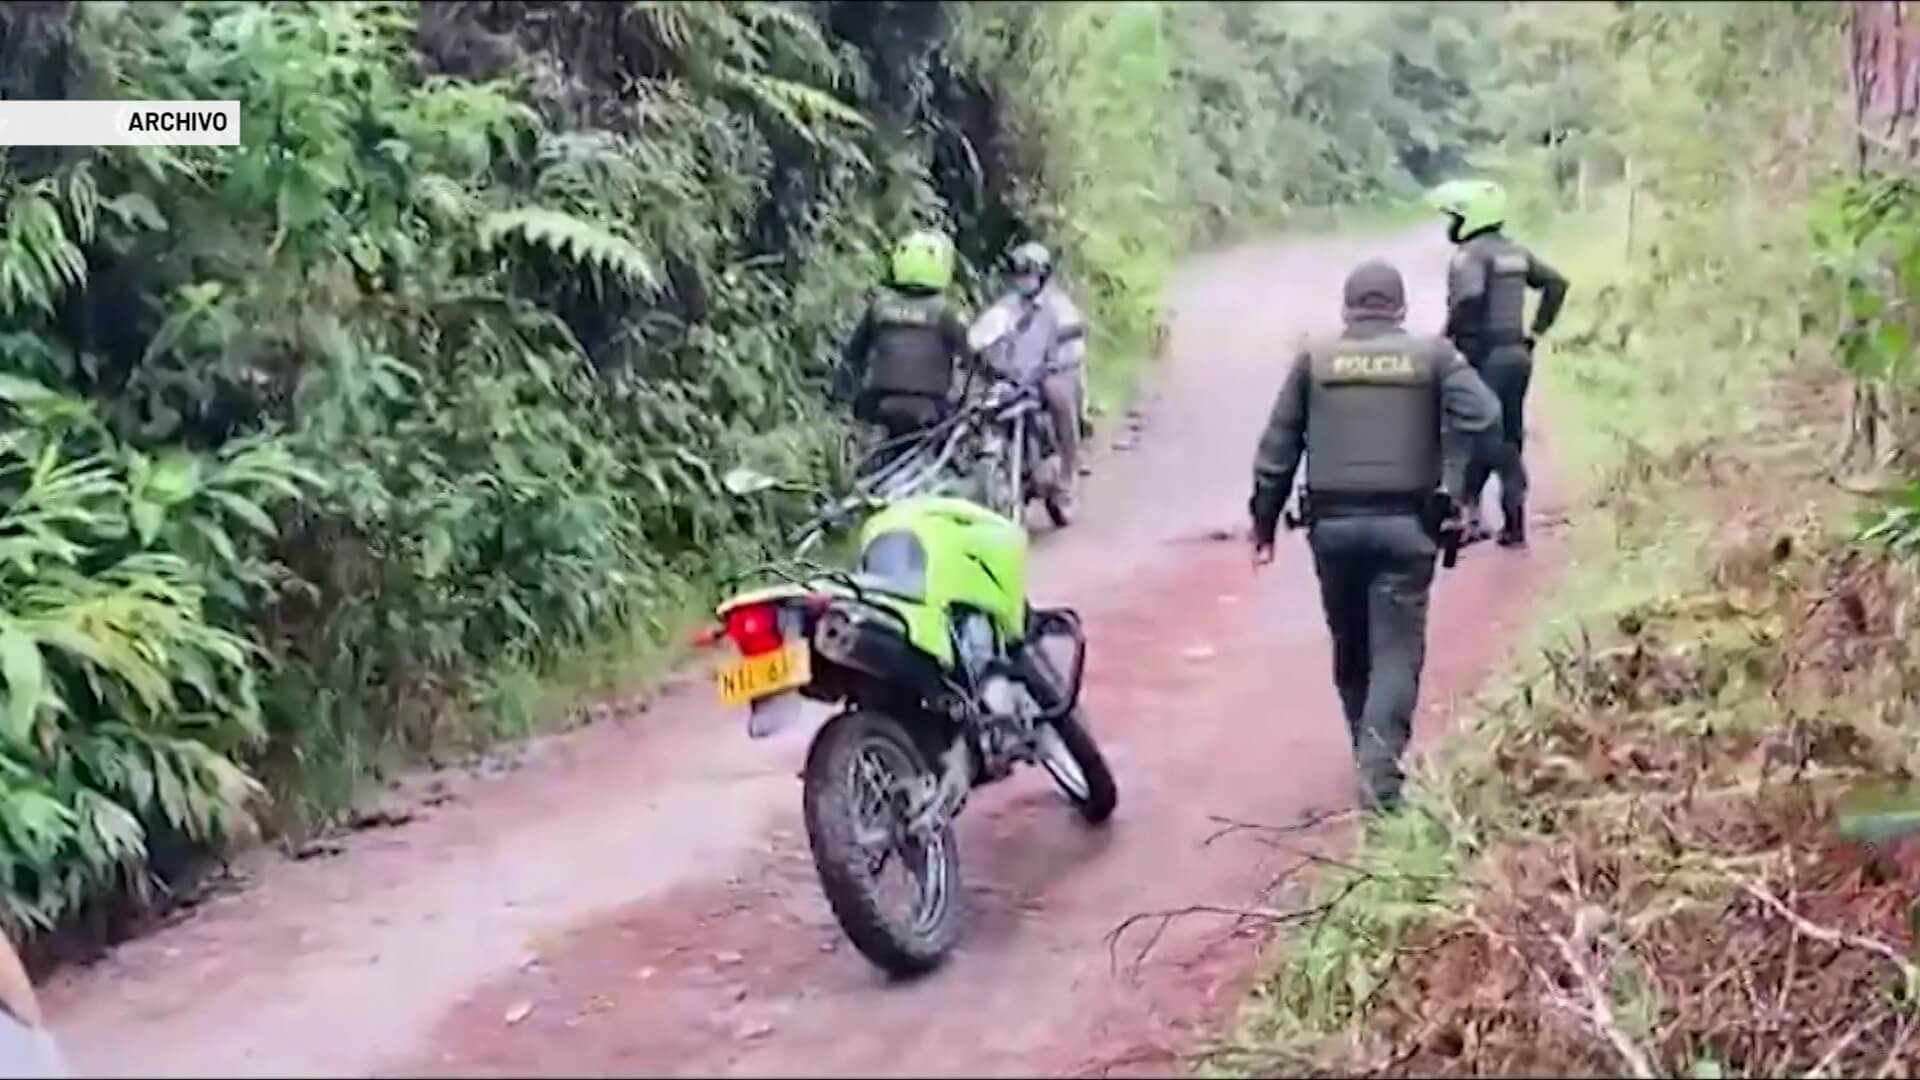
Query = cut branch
x=1598 y=1010
x=1814 y=930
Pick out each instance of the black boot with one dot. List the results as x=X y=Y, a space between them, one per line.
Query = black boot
x=1513 y=532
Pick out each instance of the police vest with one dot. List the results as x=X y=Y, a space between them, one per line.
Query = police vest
x=1373 y=414
x=909 y=354
x=1503 y=305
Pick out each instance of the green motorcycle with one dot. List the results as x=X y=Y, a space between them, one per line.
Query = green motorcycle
x=944 y=681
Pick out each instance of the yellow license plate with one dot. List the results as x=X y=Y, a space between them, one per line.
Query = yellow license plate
x=753 y=677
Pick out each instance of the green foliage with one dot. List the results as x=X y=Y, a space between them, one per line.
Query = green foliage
x=587 y=246
x=1086 y=88
x=1285 y=107
x=127 y=695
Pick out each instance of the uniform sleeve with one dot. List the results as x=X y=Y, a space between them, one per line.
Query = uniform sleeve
x=1553 y=292
x=1466 y=292
x=853 y=359
x=1467 y=408
x=1278 y=456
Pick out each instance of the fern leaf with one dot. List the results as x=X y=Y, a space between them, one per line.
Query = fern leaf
x=803 y=34
x=582 y=242
x=669 y=21
x=807 y=111
x=83 y=202
x=38 y=260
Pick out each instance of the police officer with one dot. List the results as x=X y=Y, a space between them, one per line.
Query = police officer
x=1486 y=308
x=903 y=352
x=1386 y=420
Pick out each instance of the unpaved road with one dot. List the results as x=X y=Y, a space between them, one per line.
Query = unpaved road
x=636 y=898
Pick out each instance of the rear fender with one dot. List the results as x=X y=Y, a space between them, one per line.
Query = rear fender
x=780 y=593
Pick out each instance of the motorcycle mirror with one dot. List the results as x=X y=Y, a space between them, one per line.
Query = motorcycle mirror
x=745 y=481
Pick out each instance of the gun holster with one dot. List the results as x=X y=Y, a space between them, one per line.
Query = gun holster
x=1442 y=521
x=1301 y=516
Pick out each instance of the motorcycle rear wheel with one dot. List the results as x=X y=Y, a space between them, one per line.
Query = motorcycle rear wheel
x=855 y=814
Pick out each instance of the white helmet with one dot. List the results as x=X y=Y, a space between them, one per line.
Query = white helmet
x=1032 y=265
x=1032 y=258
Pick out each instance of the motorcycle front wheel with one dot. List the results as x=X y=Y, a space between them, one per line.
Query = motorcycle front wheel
x=856 y=793
x=999 y=487
x=1065 y=748
x=1069 y=754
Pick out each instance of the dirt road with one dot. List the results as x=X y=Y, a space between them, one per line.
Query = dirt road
x=635 y=897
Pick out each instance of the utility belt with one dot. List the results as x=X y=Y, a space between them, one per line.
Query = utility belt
x=1311 y=506
x=1338 y=504
x=1476 y=347
x=1435 y=509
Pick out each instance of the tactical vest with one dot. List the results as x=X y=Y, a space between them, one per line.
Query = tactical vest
x=1373 y=415
x=909 y=354
x=1503 y=306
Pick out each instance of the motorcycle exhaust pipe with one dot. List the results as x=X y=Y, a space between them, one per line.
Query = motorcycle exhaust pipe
x=874 y=648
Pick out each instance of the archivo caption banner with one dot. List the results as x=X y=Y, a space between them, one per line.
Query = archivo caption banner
x=119 y=123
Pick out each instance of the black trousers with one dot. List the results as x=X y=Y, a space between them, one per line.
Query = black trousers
x=1507 y=370
x=1376 y=573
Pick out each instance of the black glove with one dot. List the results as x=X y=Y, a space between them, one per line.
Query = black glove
x=1265 y=511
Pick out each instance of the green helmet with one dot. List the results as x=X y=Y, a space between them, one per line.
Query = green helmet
x=923 y=258
x=1479 y=204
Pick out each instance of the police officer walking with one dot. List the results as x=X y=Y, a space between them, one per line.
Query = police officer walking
x=1486 y=308
x=1386 y=420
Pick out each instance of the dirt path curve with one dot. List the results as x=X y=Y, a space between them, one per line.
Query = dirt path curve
x=635 y=897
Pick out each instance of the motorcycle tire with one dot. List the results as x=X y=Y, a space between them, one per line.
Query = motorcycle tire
x=900 y=946
x=1057 y=511
x=1001 y=492
x=1096 y=795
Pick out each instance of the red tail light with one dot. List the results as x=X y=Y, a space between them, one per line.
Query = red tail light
x=755 y=629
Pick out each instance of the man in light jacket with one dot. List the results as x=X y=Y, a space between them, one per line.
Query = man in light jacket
x=1036 y=335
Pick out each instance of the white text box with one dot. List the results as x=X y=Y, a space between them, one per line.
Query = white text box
x=119 y=123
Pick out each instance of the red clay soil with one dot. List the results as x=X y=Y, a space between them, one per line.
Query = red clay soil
x=636 y=897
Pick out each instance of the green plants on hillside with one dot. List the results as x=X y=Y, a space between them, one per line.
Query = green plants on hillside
x=129 y=690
